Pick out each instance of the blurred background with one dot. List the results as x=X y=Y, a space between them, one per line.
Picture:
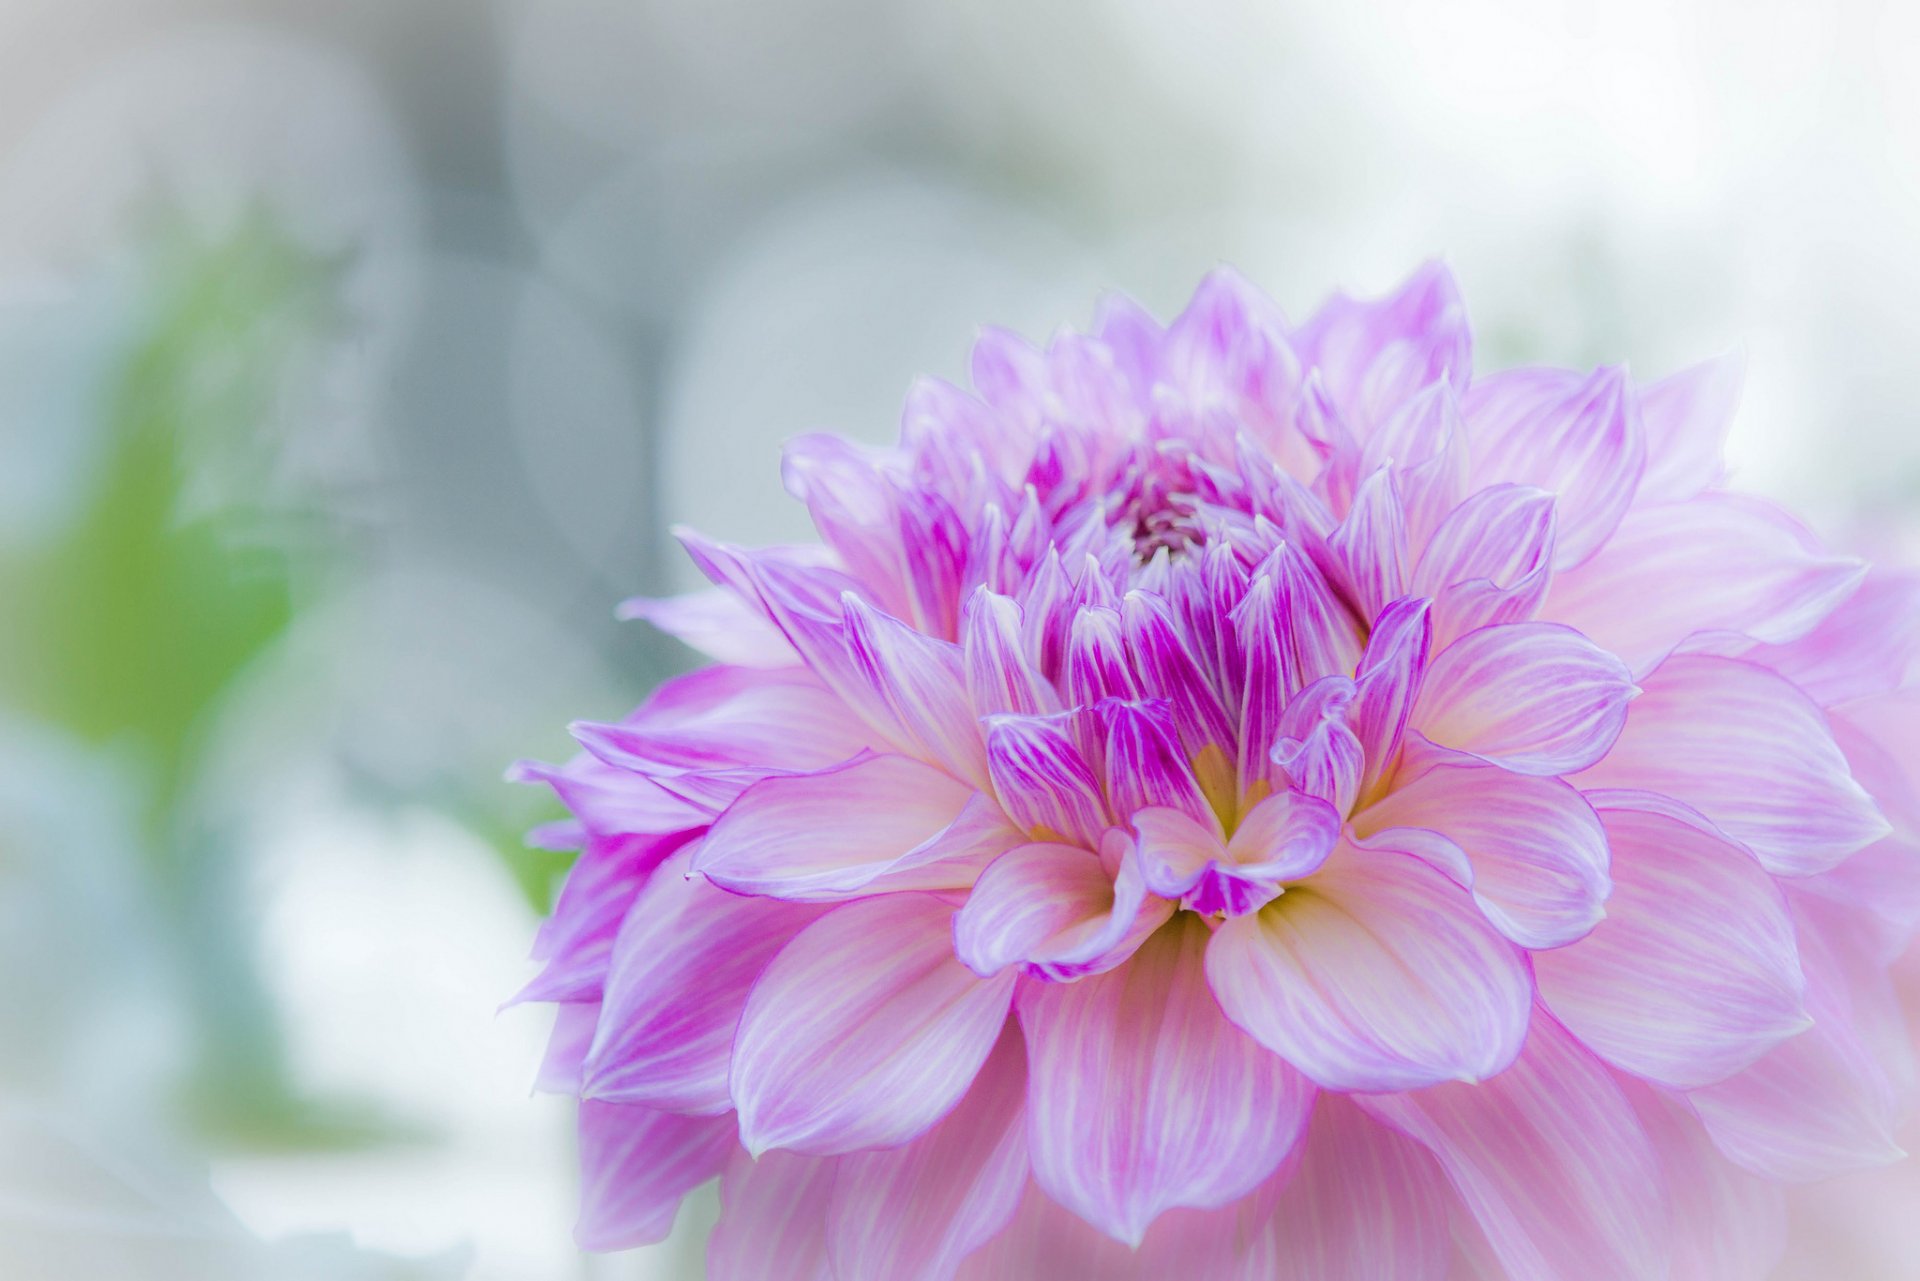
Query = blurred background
x=355 y=357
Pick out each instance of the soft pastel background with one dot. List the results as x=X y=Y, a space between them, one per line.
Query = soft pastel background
x=355 y=357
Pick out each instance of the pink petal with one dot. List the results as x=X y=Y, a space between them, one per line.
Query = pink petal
x=1170 y=670
x=1176 y=849
x=576 y=942
x=715 y=623
x=731 y=717
x=1694 y=974
x=1722 y=562
x=1535 y=698
x=1881 y=886
x=1205 y=602
x=1375 y=353
x=1042 y=779
x=1490 y=561
x=864 y=1031
x=1387 y=683
x=684 y=961
x=935 y=543
x=1726 y=1222
x=1537 y=852
x=1550 y=1160
x=1818 y=1104
x=1439 y=852
x=1046 y=1241
x=823 y=836
x=1009 y=373
x=1048 y=905
x=1291 y=632
x=999 y=676
x=1580 y=439
x=1144 y=1097
x=1376 y=974
x=1284 y=837
x=1144 y=761
x=846 y=490
x=1749 y=751
x=1370 y=547
x=1316 y=749
x=1367 y=1202
x=637 y=1164
x=611 y=801
x=1687 y=416
x=800 y=596
x=1229 y=345
x=1880 y=736
x=1426 y=442
x=1096 y=661
x=916 y=1211
x=922 y=684
x=573 y=1025
x=773 y=1219
x=1869 y=645
x=1132 y=335
x=1186 y=860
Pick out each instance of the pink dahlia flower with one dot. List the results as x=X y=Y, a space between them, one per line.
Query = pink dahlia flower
x=1243 y=799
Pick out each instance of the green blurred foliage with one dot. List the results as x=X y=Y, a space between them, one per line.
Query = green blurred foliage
x=136 y=620
x=185 y=563
x=130 y=626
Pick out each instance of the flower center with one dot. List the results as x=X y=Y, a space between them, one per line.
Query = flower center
x=1173 y=528
x=1162 y=515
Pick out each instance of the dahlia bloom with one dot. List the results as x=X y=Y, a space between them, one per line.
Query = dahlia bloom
x=1240 y=799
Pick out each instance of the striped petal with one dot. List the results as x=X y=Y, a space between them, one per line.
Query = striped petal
x=1536 y=853
x=715 y=623
x=864 y=1031
x=1750 y=752
x=1376 y=973
x=1490 y=561
x=1366 y=1202
x=637 y=1164
x=1578 y=438
x=1060 y=908
x=1043 y=780
x=1720 y=563
x=1694 y=974
x=1144 y=1097
x=916 y=1211
x=1686 y=417
x=1550 y=1161
x=826 y=835
x=685 y=959
x=773 y=1219
x=922 y=683
x=1535 y=698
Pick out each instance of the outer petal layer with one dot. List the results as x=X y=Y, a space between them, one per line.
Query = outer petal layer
x=1366 y=1202
x=1694 y=973
x=685 y=959
x=1144 y=1097
x=1748 y=750
x=916 y=1211
x=773 y=1219
x=1551 y=1162
x=823 y=836
x=864 y=1031
x=636 y=1165
x=1376 y=974
x=1720 y=563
